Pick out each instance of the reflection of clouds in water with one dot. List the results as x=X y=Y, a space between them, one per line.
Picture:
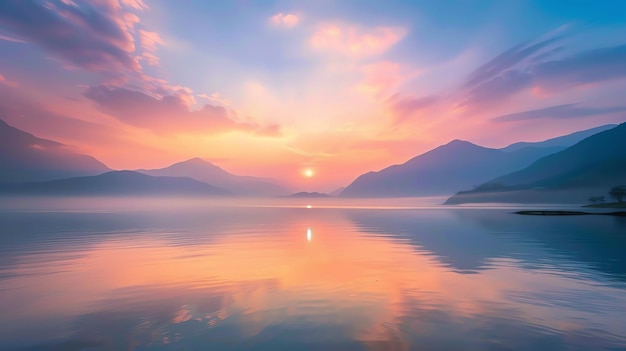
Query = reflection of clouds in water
x=381 y=280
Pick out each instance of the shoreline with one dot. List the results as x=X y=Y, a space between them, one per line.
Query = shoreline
x=569 y=213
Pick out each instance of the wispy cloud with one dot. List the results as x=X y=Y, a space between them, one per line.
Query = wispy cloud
x=565 y=111
x=94 y=36
x=5 y=81
x=356 y=41
x=284 y=19
x=171 y=113
x=11 y=39
x=150 y=42
x=215 y=98
x=405 y=107
x=25 y=112
x=501 y=79
x=507 y=60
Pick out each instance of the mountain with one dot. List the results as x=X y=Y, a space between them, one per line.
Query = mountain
x=337 y=191
x=116 y=183
x=201 y=170
x=442 y=171
x=304 y=194
x=24 y=157
x=588 y=168
x=564 y=141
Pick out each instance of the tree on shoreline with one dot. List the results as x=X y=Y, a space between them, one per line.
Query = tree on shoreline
x=618 y=192
x=596 y=199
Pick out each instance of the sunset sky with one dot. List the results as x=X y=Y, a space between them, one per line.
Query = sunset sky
x=272 y=88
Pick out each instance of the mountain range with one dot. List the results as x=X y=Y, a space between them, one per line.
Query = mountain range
x=456 y=166
x=117 y=183
x=204 y=171
x=588 y=168
x=25 y=158
x=565 y=169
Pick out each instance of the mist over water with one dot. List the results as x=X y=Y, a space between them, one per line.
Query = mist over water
x=395 y=274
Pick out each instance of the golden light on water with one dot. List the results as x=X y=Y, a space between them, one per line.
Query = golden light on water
x=309 y=234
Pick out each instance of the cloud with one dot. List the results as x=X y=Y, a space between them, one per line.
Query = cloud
x=284 y=19
x=135 y=4
x=11 y=39
x=150 y=42
x=507 y=60
x=215 y=98
x=24 y=112
x=408 y=105
x=589 y=66
x=510 y=74
x=355 y=41
x=94 y=36
x=171 y=113
x=5 y=81
x=379 y=77
x=559 y=112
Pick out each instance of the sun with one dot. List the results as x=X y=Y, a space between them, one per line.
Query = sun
x=308 y=173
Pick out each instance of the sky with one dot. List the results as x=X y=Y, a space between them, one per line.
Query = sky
x=273 y=88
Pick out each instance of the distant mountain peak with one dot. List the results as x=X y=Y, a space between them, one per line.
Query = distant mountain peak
x=195 y=160
x=207 y=172
x=458 y=143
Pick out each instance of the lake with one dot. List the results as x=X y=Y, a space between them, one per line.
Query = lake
x=116 y=274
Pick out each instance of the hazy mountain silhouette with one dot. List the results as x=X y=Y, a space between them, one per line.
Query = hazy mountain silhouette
x=570 y=176
x=442 y=171
x=24 y=157
x=114 y=184
x=201 y=170
x=455 y=166
x=564 y=141
x=304 y=194
x=337 y=191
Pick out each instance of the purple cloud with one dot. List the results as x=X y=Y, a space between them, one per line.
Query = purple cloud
x=591 y=66
x=411 y=104
x=509 y=59
x=95 y=36
x=586 y=67
x=171 y=113
x=23 y=112
x=559 y=112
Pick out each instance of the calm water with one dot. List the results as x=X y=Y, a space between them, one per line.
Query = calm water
x=102 y=275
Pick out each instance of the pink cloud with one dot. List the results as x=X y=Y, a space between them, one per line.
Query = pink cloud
x=284 y=19
x=11 y=39
x=171 y=113
x=149 y=43
x=150 y=40
x=380 y=77
x=96 y=36
x=406 y=107
x=135 y=4
x=215 y=98
x=354 y=41
x=7 y=82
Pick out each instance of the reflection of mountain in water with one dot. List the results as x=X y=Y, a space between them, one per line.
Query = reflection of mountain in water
x=248 y=279
x=467 y=240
